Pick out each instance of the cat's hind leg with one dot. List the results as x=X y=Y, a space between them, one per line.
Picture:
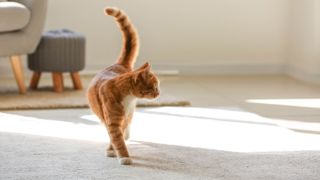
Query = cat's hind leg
x=118 y=144
x=113 y=113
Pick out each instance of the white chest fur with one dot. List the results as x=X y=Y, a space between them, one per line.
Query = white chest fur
x=129 y=104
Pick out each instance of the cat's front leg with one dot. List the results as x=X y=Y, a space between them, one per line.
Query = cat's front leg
x=110 y=152
x=126 y=126
x=126 y=132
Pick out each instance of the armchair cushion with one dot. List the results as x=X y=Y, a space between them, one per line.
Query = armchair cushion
x=13 y=16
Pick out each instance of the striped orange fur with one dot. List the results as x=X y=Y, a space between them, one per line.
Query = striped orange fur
x=113 y=92
x=130 y=48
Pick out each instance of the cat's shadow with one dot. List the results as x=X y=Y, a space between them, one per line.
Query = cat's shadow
x=146 y=163
x=153 y=163
x=157 y=157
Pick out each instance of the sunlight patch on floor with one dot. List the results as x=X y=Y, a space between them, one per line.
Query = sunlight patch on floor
x=210 y=128
x=51 y=128
x=220 y=129
x=307 y=103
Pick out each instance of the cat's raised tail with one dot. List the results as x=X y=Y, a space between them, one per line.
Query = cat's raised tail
x=130 y=47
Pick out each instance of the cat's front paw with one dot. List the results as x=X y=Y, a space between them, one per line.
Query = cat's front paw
x=110 y=153
x=125 y=161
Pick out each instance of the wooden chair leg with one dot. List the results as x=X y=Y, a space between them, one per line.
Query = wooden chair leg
x=57 y=81
x=18 y=73
x=35 y=80
x=76 y=80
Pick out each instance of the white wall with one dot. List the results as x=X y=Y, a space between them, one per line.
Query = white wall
x=183 y=34
x=203 y=36
x=304 y=40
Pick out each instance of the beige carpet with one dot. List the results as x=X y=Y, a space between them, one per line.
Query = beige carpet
x=170 y=143
x=45 y=98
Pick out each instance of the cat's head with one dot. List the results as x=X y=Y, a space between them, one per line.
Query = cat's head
x=146 y=83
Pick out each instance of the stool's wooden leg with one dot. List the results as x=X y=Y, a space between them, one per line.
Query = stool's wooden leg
x=57 y=81
x=76 y=80
x=35 y=80
x=18 y=73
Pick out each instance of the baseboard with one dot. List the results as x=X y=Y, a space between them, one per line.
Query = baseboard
x=302 y=75
x=208 y=69
x=222 y=69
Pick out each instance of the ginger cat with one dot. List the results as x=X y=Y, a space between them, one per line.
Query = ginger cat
x=113 y=92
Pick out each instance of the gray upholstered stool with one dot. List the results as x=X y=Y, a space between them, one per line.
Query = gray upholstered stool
x=59 y=51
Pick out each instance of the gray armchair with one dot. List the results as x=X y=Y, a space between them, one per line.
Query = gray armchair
x=21 y=26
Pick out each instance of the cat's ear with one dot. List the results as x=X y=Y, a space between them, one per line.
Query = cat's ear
x=146 y=70
x=142 y=71
x=148 y=67
x=135 y=77
x=145 y=66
